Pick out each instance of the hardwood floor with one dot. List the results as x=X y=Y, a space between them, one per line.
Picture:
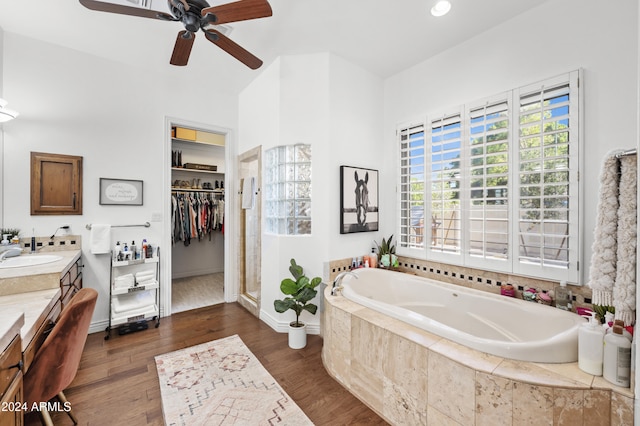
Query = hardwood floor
x=117 y=382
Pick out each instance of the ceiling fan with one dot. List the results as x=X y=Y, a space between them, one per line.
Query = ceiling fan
x=195 y=15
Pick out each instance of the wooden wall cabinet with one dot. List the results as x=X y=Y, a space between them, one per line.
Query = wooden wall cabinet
x=56 y=184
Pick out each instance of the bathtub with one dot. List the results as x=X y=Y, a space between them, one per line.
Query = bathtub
x=498 y=325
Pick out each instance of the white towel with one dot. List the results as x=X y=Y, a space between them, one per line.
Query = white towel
x=124 y=281
x=248 y=192
x=624 y=289
x=602 y=272
x=100 y=239
x=144 y=275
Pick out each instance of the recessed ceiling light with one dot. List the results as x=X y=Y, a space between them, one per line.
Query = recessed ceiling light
x=441 y=8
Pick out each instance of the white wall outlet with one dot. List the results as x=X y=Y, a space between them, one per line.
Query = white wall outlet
x=156 y=217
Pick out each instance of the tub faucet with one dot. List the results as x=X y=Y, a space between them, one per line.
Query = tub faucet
x=337 y=282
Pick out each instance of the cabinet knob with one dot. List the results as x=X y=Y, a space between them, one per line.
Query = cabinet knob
x=19 y=365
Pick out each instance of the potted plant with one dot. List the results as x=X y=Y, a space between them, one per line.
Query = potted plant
x=387 y=254
x=299 y=293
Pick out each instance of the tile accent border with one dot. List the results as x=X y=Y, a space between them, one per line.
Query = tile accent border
x=473 y=278
x=46 y=244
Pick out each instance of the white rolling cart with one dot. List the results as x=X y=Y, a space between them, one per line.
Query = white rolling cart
x=134 y=294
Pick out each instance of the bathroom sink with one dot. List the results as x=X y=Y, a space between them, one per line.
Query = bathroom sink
x=28 y=260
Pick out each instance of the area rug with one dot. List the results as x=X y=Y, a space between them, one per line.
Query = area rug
x=222 y=383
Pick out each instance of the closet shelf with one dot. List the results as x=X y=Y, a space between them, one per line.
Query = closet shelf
x=214 y=191
x=182 y=169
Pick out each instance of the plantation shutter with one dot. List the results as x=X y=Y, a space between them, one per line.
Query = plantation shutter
x=488 y=225
x=545 y=148
x=445 y=149
x=412 y=181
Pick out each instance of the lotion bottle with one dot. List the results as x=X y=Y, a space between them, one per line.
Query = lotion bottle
x=373 y=259
x=617 y=358
x=591 y=346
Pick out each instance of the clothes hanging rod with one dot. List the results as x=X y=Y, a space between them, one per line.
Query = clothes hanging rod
x=626 y=153
x=146 y=225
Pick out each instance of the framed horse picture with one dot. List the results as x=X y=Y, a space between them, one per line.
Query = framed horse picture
x=358 y=200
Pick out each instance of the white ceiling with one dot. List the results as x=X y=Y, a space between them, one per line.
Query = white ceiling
x=383 y=36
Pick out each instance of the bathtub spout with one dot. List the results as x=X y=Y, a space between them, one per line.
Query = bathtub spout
x=337 y=282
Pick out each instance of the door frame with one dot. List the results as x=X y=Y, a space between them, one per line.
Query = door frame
x=230 y=252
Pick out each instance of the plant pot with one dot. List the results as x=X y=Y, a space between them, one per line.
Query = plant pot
x=297 y=336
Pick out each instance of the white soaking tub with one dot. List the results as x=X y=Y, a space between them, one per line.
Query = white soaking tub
x=498 y=325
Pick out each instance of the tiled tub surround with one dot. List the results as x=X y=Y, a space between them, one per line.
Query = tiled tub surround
x=410 y=376
x=487 y=322
x=469 y=277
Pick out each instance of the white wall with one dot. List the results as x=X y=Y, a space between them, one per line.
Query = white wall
x=111 y=114
x=322 y=100
x=565 y=35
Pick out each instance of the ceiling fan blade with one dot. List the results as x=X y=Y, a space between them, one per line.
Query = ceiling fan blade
x=233 y=49
x=101 y=6
x=237 y=11
x=182 y=48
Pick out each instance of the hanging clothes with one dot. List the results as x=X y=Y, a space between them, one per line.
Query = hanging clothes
x=195 y=215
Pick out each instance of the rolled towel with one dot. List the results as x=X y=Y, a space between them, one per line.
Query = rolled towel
x=134 y=301
x=145 y=275
x=124 y=281
x=146 y=282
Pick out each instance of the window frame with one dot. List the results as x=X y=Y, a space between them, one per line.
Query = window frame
x=512 y=264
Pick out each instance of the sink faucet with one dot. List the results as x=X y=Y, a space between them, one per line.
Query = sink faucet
x=337 y=282
x=16 y=251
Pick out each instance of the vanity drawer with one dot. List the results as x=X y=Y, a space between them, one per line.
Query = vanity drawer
x=9 y=361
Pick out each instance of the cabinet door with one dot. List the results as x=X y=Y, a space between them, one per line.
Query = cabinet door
x=56 y=184
x=13 y=401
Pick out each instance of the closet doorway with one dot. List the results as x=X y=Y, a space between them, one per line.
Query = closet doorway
x=249 y=238
x=197 y=217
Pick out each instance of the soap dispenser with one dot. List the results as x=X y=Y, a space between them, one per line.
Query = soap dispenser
x=591 y=346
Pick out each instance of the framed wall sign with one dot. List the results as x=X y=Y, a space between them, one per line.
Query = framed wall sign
x=121 y=192
x=358 y=200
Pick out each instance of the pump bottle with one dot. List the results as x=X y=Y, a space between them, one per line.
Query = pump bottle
x=591 y=346
x=617 y=358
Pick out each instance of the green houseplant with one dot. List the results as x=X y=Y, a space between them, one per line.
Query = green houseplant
x=387 y=253
x=299 y=293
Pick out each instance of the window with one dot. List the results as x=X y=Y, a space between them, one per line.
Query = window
x=445 y=148
x=412 y=181
x=488 y=167
x=288 y=189
x=502 y=190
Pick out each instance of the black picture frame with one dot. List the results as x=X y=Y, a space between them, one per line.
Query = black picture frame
x=359 y=200
x=121 y=192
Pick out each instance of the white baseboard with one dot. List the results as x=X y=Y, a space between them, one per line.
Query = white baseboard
x=98 y=326
x=283 y=326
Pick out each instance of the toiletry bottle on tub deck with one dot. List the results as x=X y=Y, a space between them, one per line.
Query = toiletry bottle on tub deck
x=563 y=296
x=591 y=346
x=617 y=358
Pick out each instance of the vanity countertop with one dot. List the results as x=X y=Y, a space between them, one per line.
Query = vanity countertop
x=38 y=277
x=32 y=307
x=11 y=321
